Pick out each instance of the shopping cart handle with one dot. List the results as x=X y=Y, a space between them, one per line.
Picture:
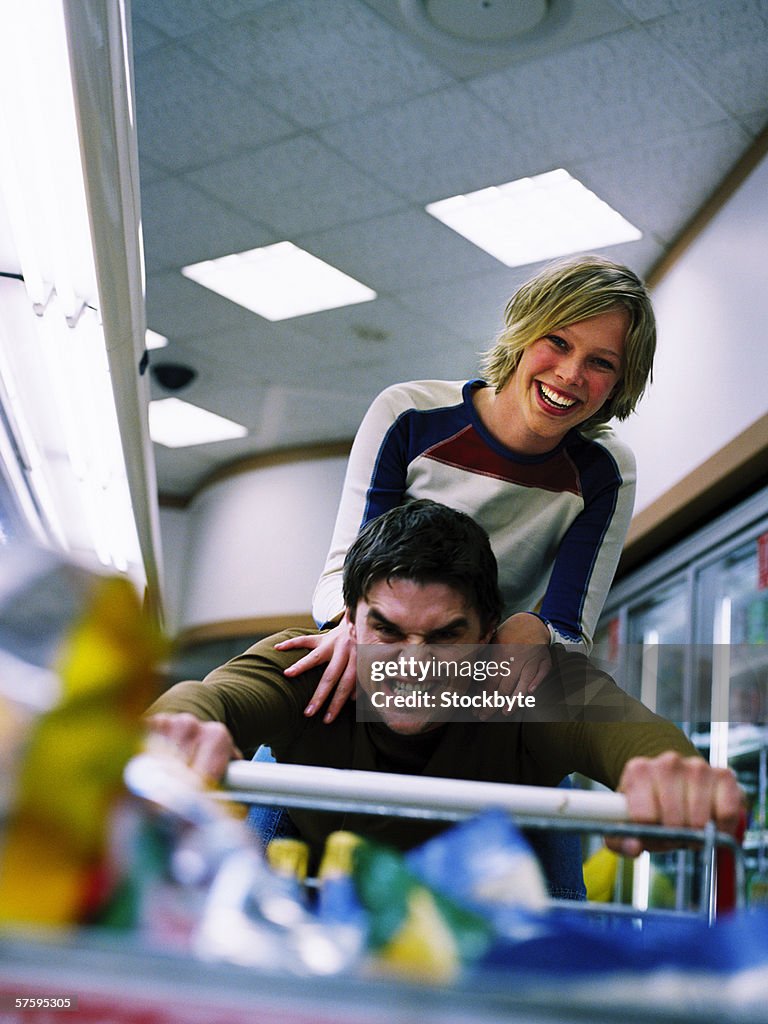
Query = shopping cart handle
x=311 y=786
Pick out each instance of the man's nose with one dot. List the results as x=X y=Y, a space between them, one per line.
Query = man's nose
x=415 y=640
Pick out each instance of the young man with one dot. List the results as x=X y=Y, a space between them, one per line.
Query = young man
x=421 y=580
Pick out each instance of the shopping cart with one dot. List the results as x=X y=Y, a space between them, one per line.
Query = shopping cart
x=721 y=981
x=722 y=871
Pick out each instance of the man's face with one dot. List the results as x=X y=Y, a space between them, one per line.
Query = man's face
x=424 y=620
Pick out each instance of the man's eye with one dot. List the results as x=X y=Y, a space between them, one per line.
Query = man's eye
x=387 y=631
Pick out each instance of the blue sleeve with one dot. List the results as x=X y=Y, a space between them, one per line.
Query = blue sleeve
x=590 y=549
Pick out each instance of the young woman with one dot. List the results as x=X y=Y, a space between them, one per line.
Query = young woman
x=526 y=451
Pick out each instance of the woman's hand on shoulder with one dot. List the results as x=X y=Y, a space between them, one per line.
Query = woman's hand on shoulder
x=336 y=650
x=525 y=639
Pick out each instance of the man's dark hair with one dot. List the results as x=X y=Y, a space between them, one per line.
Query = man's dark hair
x=428 y=543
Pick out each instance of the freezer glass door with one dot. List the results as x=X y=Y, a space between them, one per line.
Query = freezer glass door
x=657 y=639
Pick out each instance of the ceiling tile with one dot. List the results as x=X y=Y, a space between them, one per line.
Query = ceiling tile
x=419 y=150
x=727 y=49
x=647 y=10
x=177 y=307
x=475 y=311
x=291 y=415
x=145 y=37
x=280 y=417
x=587 y=101
x=658 y=186
x=189 y=116
x=571 y=21
x=150 y=172
x=296 y=186
x=362 y=333
x=182 y=225
x=404 y=249
x=755 y=123
x=180 y=19
x=252 y=351
x=319 y=62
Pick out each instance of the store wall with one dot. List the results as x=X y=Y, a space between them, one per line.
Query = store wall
x=712 y=363
x=251 y=546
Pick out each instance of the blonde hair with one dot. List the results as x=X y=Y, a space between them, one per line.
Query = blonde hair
x=566 y=292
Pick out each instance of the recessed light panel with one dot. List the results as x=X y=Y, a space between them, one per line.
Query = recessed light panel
x=535 y=219
x=279 y=281
x=178 y=424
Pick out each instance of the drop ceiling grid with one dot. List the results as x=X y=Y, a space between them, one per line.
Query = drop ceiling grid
x=369 y=331
x=329 y=345
x=318 y=62
x=295 y=186
x=475 y=311
x=246 y=352
x=430 y=147
x=405 y=249
x=327 y=124
x=177 y=307
x=658 y=179
x=144 y=35
x=185 y=225
x=590 y=101
x=176 y=20
x=189 y=115
x=725 y=46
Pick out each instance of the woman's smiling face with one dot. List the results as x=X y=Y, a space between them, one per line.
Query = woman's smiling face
x=564 y=378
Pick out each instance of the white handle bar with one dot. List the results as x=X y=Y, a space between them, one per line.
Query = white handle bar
x=313 y=785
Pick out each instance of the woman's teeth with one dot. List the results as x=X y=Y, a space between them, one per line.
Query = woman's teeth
x=552 y=397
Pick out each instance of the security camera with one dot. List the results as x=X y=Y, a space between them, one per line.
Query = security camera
x=173 y=376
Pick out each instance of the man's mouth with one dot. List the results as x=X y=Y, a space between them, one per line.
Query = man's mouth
x=401 y=688
x=554 y=399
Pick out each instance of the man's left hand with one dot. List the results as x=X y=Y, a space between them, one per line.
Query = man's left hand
x=678 y=792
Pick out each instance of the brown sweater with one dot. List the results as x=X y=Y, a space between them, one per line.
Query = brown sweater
x=595 y=736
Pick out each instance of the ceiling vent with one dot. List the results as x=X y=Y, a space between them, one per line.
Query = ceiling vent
x=483 y=23
x=472 y=37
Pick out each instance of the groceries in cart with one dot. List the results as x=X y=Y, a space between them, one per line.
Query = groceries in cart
x=78 y=663
x=469 y=902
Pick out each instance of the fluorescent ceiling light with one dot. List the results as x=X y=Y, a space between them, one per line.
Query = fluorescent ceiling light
x=178 y=424
x=155 y=340
x=279 y=281
x=535 y=219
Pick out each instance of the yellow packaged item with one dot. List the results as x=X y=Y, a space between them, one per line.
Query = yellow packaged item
x=289 y=858
x=67 y=774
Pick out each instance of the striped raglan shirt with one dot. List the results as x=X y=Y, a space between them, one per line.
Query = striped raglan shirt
x=556 y=522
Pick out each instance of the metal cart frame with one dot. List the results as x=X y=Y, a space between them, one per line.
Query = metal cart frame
x=439 y=799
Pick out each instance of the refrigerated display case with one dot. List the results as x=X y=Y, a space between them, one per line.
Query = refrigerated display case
x=688 y=634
